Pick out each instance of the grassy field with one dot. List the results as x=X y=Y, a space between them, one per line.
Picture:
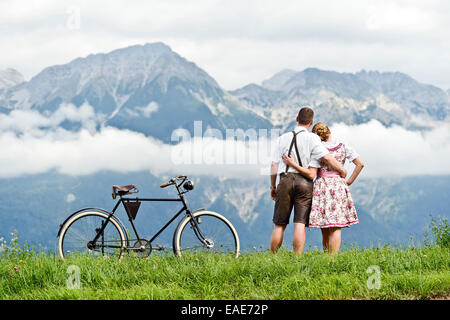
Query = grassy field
x=376 y=273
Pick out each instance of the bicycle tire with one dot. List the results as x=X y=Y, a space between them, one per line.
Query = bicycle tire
x=221 y=227
x=84 y=215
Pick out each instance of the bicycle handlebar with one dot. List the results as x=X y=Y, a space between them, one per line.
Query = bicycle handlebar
x=172 y=181
x=165 y=185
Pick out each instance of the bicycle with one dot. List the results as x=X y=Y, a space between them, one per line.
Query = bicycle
x=99 y=232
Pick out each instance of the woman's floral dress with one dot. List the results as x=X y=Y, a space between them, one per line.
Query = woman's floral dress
x=332 y=203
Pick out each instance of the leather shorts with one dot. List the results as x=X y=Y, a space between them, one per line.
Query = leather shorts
x=293 y=191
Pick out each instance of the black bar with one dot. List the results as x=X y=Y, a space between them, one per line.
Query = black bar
x=170 y=221
x=230 y=309
x=107 y=220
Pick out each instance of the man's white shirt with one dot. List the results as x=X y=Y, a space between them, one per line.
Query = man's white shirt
x=310 y=148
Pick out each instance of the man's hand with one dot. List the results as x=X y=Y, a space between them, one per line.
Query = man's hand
x=273 y=180
x=273 y=194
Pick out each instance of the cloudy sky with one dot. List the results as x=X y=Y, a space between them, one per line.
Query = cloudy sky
x=237 y=42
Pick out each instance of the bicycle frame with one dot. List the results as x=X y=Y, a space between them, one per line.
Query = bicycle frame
x=123 y=200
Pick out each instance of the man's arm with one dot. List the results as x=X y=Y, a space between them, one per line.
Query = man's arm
x=309 y=172
x=273 y=180
x=334 y=164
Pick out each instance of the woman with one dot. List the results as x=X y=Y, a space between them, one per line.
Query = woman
x=332 y=204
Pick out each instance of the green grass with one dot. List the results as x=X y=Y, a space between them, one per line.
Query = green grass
x=409 y=273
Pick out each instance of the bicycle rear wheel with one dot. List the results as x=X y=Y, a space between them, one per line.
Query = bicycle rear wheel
x=220 y=234
x=77 y=235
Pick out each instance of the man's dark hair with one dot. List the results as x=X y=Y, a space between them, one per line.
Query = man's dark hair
x=305 y=115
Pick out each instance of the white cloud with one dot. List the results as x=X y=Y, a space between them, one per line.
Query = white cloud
x=70 y=197
x=39 y=146
x=237 y=42
x=143 y=111
x=149 y=109
x=84 y=153
x=31 y=121
x=401 y=18
x=396 y=151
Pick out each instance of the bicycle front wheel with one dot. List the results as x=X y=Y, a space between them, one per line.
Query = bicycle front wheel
x=78 y=233
x=220 y=235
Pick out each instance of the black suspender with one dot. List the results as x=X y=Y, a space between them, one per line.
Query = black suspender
x=294 y=142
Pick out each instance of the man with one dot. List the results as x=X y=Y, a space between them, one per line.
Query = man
x=295 y=190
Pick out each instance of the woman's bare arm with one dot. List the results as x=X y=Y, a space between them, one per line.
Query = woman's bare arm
x=359 y=165
x=309 y=173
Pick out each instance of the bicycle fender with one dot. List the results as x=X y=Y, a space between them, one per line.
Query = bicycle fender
x=179 y=223
x=176 y=231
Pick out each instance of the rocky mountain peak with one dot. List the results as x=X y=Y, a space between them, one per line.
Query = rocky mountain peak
x=10 y=77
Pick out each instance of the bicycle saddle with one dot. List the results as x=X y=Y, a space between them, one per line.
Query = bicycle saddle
x=122 y=190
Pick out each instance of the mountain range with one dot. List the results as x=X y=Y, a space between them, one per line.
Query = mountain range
x=152 y=90
x=389 y=97
x=145 y=88
x=9 y=78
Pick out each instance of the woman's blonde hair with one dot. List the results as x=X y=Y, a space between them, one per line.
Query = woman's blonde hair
x=321 y=130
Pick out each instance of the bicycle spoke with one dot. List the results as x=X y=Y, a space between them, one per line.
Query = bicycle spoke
x=82 y=231
x=79 y=235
